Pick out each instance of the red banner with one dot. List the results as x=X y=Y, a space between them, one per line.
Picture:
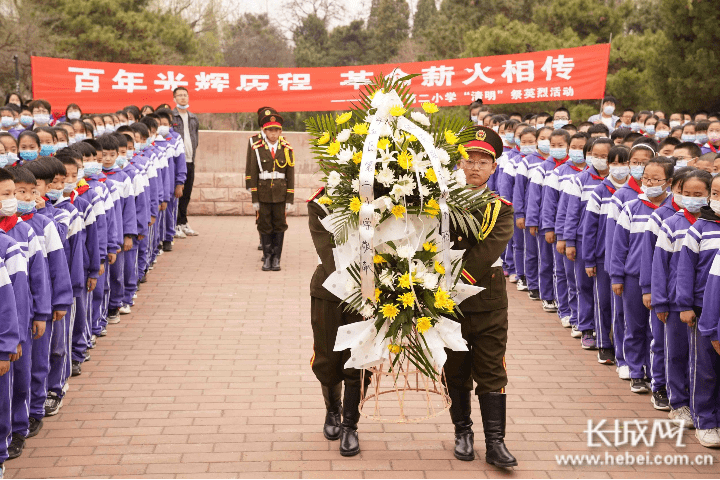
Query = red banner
x=553 y=75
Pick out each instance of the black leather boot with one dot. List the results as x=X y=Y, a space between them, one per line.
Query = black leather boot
x=267 y=252
x=460 y=415
x=333 y=405
x=277 y=250
x=349 y=442
x=492 y=409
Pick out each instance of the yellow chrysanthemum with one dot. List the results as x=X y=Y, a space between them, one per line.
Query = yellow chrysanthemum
x=325 y=138
x=377 y=294
x=429 y=247
x=361 y=128
x=355 y=204
x=423 y=324
x=463 y=153
x=430 y=107
x=411 y=138
x=397 y=110
x=333 y=148
x=404 y=281
x=432 y=207
x=389 y=310
x=439 y=268
x=343 y=118
x=398 y=211
x=378 y=259
x=450 y=304
x=407 y=299
x=430 y=175
x=357 y=158
x=450 y=137
x=395 y=348
x=383 y=143
x=405 y=160
x=442 y=298
x=324 y=200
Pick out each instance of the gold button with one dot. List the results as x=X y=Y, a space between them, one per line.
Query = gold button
x=459 y=239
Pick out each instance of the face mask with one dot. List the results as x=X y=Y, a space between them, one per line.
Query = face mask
x=29 y=155
x=654 y=191
x=130 y=154
x=687 y=138
x=714 y=137
x=79 y=137
x=12 y=158
x=674 y=123
x=8 y=207
x=25 y=207
x=600 y=163
x=637 y=171
x=544 y=146
x=26 y=120
x=620 y=173
x=73 y=115
x=662 y=134
x=99 y=130
x=47 y=150
x=53 y=195
x=121 y=161
x=69 y=187
x=528 y=149
x=184 y=107
x=634 y=126
x=680 y=164
x=60 y=146
x=130 y=122
x=558 y=124
x=163 y=130
x=701 y=138
x=609 y=110
x=496 y=128
x=694 y=204
x=678 y=199
x=139 y=146
x=650 y=129
x=4 y=160
x=42 y=118
x=81 y=173
x=123 y=124
x=576 y=156
x=558 y=153
x=92 y=168
x=715 y=205
x=473 y=118
x=7 y=122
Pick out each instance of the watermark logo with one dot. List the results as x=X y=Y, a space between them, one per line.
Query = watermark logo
x=633 y=433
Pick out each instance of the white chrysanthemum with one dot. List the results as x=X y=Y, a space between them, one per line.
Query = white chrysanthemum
x=460 y=178
x=345 y=155
x=446 y=175
x=356 y=185
x=333 y=179
x=424 y=191
x=344 y=135
x=430 y=281
x=418 y=269
x=406 y=251
x=387 y=278
x=383 y=203
x=407 y=182
x=420 y=118
x=398 y=136
x=367 y=311
x=385 y=130
x=443 y=156
x=384 y=102
x=385 y=176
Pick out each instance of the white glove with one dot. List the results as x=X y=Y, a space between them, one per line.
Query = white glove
x=256 y=206
x=288 y=207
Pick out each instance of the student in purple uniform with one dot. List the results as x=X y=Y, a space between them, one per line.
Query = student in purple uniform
x=555 y=212
x=9 y=341
x=713 y=141
x=533 y=222
x=574 y=202
x=11 y=149
x=28 y=146
x=504 y=183
x=533 y=157
x=625 y=267
x=177 y=146
x=48 y=139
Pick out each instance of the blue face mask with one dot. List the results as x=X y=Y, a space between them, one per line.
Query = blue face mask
x=7 y=122
x=47 y=150
x=121 y=161
x=544 y=146
x=510 y=138
x=662 y=134
x=558 y=124
x=25 y=207
x=694 y=204
x=620 y=173
x=688 y=138
x=634 y=126
x=26 y=120
x=528 y=149
x=576 y=156
x=92 y=168
x=54 y=195
x=517 y=140
x=650 y=129
x=29 y=155
x=654 y=191
x=3 y=160
x=701 y=138
x=637 y=171
x=558 y=153
x=12 y=158
x=139 y=146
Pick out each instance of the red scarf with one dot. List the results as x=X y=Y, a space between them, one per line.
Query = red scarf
x=576 y=168
x=611 y=189
x=632 y=183
x=102 y=180
x=78 y=191
x=110 y=173
x=561 y=162
x=675 y=205
x=690 y=217
x=27 y=216
x=8 y=223
x=596 y=177
x=712 y=147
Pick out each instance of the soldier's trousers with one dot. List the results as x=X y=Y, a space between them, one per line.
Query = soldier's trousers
x=326 y=317
x=271 y=218
x=486 y=334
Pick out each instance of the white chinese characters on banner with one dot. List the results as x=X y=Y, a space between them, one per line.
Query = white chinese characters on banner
x=212 y=81
x=87 y=80
x=257 y=82
x=478 y=73
x=128 y=81
x=437 y=76
x=294 y=81
x=356 y=79
x=170 y=81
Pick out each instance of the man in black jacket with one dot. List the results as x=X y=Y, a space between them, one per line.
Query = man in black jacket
x=186 y=124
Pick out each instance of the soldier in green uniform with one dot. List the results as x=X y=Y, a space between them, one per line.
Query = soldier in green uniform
x=485 y=315
x=326 y=316
x=270 y=176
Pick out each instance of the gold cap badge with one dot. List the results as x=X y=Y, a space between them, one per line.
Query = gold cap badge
x=272 y=119
x=267 y=112
x=480 y=135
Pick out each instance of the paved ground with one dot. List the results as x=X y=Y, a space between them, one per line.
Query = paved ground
x=210 y=377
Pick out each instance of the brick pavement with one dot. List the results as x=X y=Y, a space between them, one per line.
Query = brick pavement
x=210 y=377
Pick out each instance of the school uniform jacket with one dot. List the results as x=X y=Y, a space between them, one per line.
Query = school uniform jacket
x=622 y=197
x=573 y=201
x=260 y=159
x=9 y=330
x=95 y=196
x=665 y=260
x=558 y=181
x=534 y=207
x=700 y=246
x=82 y=198
x=74 y=245
x=179 y=159
x=16 y=265
x=649 y=241
x=709 y=321
x=707 y=148
x=594 y=223
x=139 y=186
x=627 y=241
x=125 y=201
x=524 y=171
x=506 y=181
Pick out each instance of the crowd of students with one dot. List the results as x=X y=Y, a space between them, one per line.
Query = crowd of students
x=618 y=231
x=87 y=206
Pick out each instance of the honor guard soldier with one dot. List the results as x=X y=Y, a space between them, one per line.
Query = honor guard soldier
x=270 y=176
x=485 y=315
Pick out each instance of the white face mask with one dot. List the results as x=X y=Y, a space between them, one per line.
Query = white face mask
x=8 y=207
x=600 y=163
x=183 y=107
x=163 y=130
x=99 y=130
x=674 y=123
x=715 y=206
x=75 y=115
x=609 y=110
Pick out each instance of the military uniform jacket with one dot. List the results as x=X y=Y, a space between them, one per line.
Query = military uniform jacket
x=260 y=162
x=323 y=241
x=482 y=254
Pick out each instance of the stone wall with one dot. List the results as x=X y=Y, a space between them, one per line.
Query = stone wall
x=219 y=187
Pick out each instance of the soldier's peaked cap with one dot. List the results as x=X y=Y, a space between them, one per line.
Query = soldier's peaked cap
x=486 y=140
x=271 y=120
x=263 y=111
